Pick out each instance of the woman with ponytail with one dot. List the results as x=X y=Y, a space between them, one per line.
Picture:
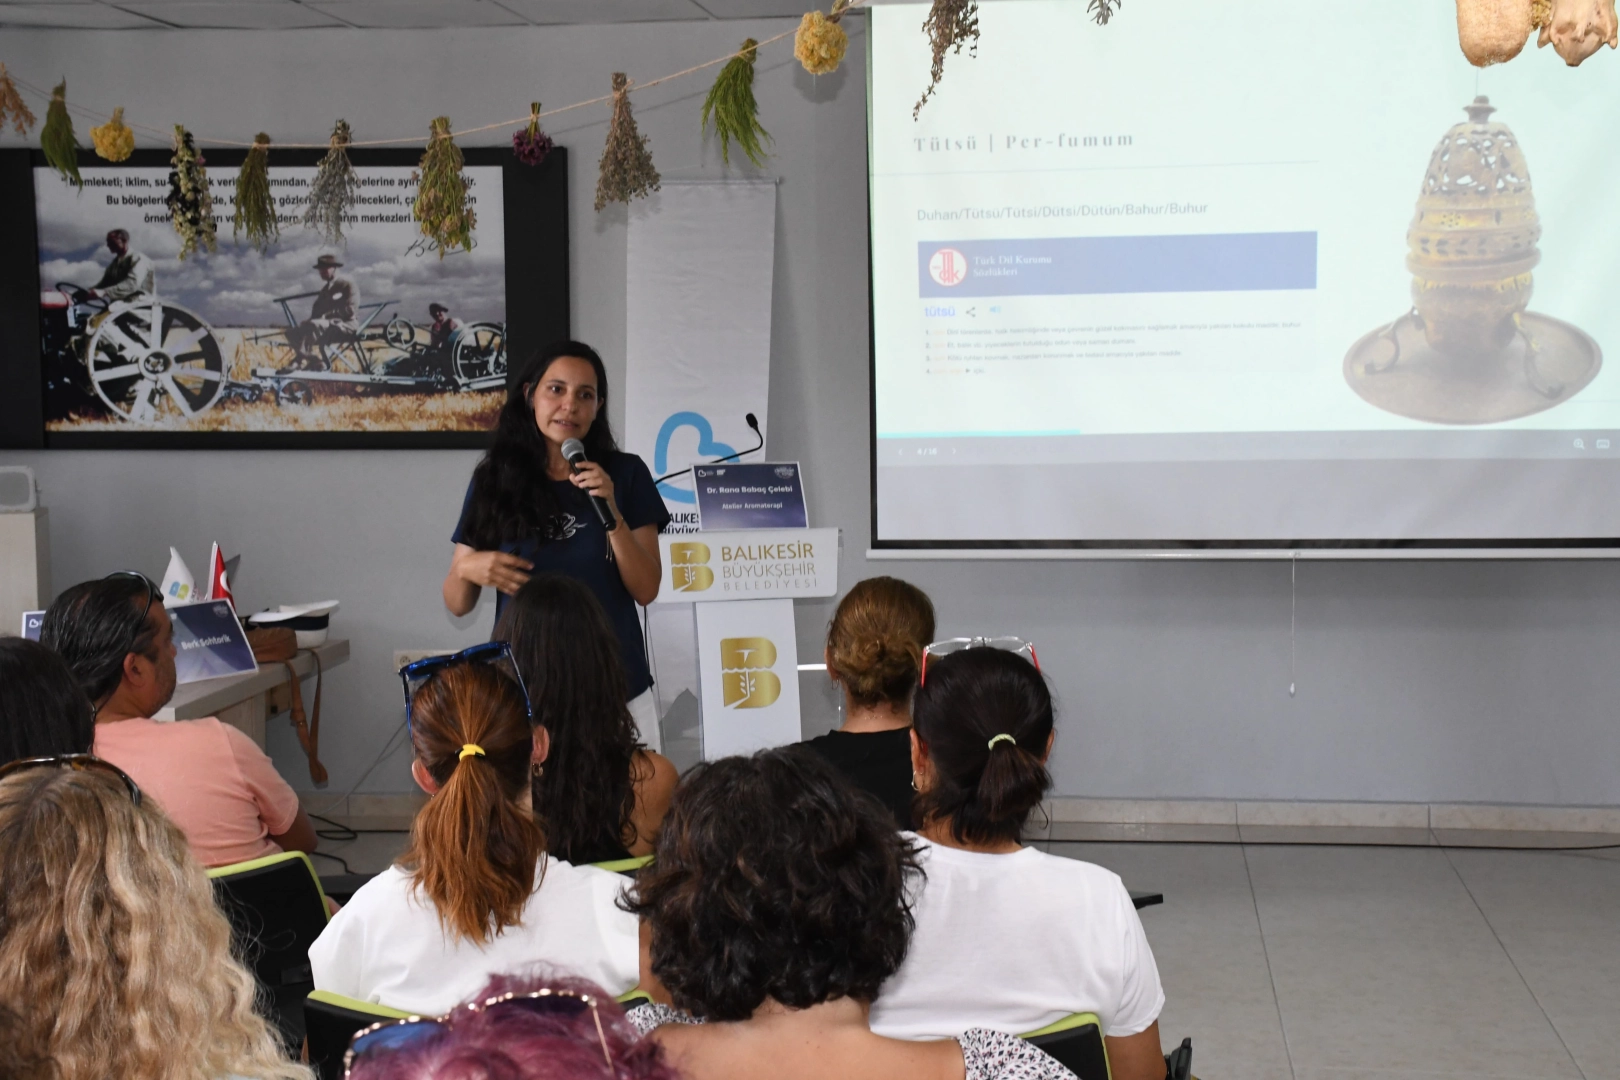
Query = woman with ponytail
x=1009 y=937
x=475 y=893
x=874 y=646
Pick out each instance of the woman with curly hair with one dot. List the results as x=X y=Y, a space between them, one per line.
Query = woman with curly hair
x=475 y=892
x=516 y=1028
x=603 y=794
x=982 y=731
x=113 y=955
x=777 y=906
x=874 y=646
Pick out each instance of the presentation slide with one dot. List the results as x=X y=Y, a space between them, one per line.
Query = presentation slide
x=1279 y=274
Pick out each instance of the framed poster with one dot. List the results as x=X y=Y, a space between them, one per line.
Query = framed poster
x=376 y=341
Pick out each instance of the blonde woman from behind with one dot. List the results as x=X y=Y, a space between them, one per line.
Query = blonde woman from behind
x=113 y=956
x=874 y=648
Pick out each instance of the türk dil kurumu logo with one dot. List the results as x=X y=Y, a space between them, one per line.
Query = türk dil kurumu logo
x=746 y=678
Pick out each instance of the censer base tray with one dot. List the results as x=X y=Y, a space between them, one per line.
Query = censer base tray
x=1424 y=384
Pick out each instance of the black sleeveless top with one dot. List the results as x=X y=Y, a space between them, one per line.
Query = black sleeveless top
x=877 y=761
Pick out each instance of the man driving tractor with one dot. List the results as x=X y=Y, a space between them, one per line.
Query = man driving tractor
x=332 y=317
x=130 y=275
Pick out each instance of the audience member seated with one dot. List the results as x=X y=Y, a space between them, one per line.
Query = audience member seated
x=603 y=793
x=475 y=892
x=112 y=954
x=776 y=908
x=874 y=645
x=1007 y=936
x=515 y=1029
x=42 y=709
x=209 y=777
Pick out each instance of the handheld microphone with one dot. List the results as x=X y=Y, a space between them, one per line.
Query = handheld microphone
x=573 y=451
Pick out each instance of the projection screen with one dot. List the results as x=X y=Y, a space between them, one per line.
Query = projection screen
x=1289 y=274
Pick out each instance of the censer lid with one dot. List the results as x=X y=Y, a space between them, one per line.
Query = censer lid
x=1476 y=218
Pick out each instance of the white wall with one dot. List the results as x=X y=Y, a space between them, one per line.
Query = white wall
x=1416 y=681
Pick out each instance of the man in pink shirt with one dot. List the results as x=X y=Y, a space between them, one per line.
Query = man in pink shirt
x=222 y=790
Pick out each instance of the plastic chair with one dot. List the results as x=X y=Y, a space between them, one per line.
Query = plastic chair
x=277 y=910
x=627 y=867
x=330 y=1022
x=1077 y=1043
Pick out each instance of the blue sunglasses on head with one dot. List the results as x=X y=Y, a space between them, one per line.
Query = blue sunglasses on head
x=498 y=654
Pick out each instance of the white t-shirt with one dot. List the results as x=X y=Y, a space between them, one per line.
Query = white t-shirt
x=386 y=944
x=1015 y=942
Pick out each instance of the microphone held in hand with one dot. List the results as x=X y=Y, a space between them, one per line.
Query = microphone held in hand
x=573 y=451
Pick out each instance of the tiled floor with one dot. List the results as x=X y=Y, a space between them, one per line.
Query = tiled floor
x=1301 y=960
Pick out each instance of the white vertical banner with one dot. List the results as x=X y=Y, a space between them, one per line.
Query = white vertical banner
x=749 y=658
x=698 y=327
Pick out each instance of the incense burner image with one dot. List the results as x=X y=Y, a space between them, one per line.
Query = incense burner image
x=1469 y=351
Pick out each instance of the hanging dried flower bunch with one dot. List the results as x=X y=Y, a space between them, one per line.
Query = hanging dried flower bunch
x=1493 y=31
x=1103 y=10
x=530 y=144
x=113 y=140
x=732 y=107
x=191 y=207
x=819 y=43
x=334 y=187
x=12 y=106
x=1576 y=28
x=255 y=206
x=626 y=168
x=56 y=138
x=441 y=205
x=950 y=25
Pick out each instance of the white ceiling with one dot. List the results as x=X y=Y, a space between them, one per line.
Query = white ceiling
x=371 y=14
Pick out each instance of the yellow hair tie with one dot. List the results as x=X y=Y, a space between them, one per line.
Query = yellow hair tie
x=470 y=750
x=1000 y=737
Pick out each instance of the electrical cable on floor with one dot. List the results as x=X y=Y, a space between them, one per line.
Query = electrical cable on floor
x=335 y=858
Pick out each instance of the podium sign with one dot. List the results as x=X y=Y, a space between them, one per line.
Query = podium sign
x=749 y=663
x=755 y=564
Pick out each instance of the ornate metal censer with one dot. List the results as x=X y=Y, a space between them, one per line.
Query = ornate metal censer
x=1469 y=352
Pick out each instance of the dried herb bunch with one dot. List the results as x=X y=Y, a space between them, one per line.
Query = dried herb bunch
x=56 y=138
x=1103 y=10
x=255 y=206
x=12 y=106
x=626 y=169
x=530 y=144
x=950 y=25
x=191 y=207
x=441 y=206
x=334 y=187
x=113 y=140
x=732 y=107
x=819 y=43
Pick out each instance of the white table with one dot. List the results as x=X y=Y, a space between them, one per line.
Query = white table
x=243 y=700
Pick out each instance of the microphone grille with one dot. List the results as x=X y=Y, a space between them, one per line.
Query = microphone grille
x=572 y=448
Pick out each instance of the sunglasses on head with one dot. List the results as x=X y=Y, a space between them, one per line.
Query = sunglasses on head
x=152 y=593
x=1023 y=648
x=76 y=762
x=498 y=654
x=410 y=1031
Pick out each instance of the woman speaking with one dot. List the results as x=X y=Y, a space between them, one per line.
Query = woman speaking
x=527 y=509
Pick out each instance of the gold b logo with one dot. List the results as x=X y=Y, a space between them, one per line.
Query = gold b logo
x=688 y=567
x=745 y=677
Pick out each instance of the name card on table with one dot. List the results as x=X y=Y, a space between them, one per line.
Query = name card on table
x=209 y=642
x=758 y=564
x=751 y=496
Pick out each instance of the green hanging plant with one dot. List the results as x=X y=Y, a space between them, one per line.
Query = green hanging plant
x=1103 y=10
x=12 y=106
x=334 y=188
x=626 y=170
x=950 y=25
x=441 y=201
x=733 y=109
x=255 y=206
x=56 y=138
x=191 y=206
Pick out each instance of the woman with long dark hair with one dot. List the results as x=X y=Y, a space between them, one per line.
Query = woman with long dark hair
x=603 y=794
x=527 y=509
x=42 y=708
x=982 y=727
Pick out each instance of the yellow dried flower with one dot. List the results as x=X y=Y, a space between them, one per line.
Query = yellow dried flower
x=819 y=43
x=114 y=141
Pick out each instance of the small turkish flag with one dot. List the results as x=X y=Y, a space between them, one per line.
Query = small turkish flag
x=219 y=587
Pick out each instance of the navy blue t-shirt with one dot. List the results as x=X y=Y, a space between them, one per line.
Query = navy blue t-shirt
x=581 y=551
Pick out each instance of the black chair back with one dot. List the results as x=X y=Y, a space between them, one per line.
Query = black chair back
x=330 y=1021
x=1080 y=1049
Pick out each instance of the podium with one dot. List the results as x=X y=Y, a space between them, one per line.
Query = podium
x=741 y=586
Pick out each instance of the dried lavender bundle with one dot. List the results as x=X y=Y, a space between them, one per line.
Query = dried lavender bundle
x=334 y=187
x=626 y=169
x=530 y=144
x=950 y=25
